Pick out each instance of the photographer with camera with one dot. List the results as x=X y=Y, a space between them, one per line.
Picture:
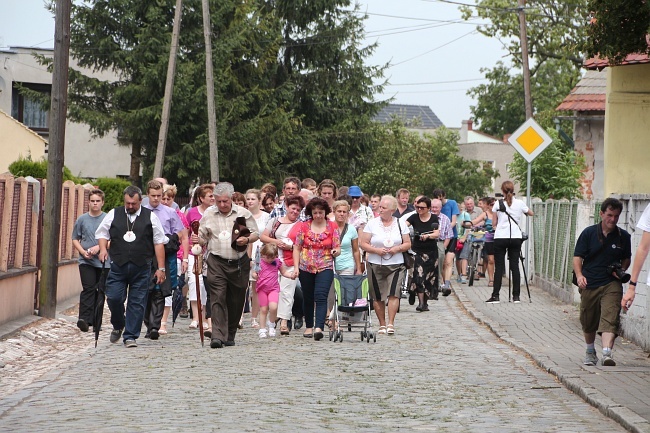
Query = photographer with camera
x=508 y=238
x=601 y=256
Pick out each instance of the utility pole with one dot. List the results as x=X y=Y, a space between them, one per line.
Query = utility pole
x=523 y=39
x=524 y=58
x=169 y=91
x=209 y=76
x=58 y=111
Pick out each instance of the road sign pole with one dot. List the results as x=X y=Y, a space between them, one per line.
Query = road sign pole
x=529 y=204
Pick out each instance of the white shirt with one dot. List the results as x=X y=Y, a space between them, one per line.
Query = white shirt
x=506 y=228
x=158 y=232
x=379 y=235
x=644 y=224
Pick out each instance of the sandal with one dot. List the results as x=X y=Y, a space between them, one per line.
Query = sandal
x=490 y=283
x=284 y=330
x=255 y=324
x=382 y=330
x=390 y=330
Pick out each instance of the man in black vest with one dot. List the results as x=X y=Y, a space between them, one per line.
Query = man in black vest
x=136 y=236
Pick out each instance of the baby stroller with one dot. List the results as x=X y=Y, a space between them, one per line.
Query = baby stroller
x=352 y=306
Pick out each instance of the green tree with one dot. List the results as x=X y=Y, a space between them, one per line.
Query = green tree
x=555 y=173
x=555 y=34
x=618 y=28
x=323 y=60
x=500 y=103
x=404 y=159
x=292 y=93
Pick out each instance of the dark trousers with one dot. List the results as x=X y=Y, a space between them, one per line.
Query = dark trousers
x=137 y=279
x=90 y=276
x=315 y=288
x=226 y=285
x=511 y=247
x=157 y=292
x=297 y=310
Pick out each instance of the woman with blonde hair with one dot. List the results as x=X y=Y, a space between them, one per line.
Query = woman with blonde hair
x=507 y=239
x=385 y=239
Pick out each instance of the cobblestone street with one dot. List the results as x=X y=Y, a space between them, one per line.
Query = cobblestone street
x=441 y=371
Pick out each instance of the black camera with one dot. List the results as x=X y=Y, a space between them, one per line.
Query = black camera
x=617 y=270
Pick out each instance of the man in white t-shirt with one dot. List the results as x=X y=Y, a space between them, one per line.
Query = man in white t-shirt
x=639 y=258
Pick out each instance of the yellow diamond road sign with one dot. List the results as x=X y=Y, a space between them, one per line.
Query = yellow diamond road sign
x=530 y=139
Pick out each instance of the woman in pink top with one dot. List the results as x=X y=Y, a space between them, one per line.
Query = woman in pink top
x=317 y=243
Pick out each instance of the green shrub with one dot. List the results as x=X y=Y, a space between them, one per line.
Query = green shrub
x=113 y=191
x=23 y=167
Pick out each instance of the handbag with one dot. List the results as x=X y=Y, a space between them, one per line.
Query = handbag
x=174 y=244
x=409 y=260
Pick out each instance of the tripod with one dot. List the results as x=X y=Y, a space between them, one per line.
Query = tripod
x=523 y=266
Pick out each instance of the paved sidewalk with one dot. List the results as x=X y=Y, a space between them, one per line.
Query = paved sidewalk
x=549 y=331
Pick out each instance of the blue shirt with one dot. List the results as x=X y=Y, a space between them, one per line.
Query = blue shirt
x=168 y=217
x=450 y=208
x=599 y=252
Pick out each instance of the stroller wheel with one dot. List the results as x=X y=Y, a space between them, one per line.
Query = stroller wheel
x=340 y=337
x=374 y=338
x=331 y=335
x=368 y=338
x=349 y=327
x=363 y=335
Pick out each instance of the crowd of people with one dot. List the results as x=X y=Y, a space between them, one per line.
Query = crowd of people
x=275 y=253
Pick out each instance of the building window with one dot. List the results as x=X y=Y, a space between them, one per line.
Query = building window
x=29 y=111
x=492 y=165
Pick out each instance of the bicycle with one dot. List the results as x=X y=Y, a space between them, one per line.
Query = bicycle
x=476 y=239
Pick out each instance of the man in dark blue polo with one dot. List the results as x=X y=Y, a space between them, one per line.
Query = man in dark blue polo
x=136 y=238
x=601 y=291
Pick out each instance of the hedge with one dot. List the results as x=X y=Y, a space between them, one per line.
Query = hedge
x=113 y=191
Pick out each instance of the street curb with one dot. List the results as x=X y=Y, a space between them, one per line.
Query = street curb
x=12 y=327
x=622 y=415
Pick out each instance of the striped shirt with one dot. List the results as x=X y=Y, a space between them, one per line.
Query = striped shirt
x=446 y=231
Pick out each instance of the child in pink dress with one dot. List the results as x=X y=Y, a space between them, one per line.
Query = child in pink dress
x=268 y=286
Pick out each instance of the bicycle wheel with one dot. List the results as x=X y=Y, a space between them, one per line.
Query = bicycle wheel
x=472 y=265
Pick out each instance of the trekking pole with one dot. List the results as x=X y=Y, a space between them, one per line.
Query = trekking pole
x=509 y=278
x=521 y=257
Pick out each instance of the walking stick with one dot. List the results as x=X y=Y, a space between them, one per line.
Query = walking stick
x=523 y=265
x=198 y=267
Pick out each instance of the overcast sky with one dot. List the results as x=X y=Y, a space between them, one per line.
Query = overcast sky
x=434 y=56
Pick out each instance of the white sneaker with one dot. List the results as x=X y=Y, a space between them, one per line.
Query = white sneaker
x=205 y=326
x=272 y=330
x=268 y=324
x=194 y=325
x=263 y=333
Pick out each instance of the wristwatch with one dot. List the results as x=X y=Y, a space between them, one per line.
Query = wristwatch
x=162 y=269
x=632 y=283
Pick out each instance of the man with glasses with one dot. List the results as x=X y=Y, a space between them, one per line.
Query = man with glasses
x=291 y=186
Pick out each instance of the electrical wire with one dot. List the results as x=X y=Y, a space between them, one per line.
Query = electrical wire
x=433 y=49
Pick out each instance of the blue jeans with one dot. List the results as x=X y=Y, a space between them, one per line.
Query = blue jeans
x=137 y=279
x=315 y=288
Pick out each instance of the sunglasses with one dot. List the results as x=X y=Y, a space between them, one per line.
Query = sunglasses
x=421 y=207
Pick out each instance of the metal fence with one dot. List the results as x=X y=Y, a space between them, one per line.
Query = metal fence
x=554 y=234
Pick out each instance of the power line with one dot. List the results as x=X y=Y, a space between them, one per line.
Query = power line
x=433 y=49
x=437 y=82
